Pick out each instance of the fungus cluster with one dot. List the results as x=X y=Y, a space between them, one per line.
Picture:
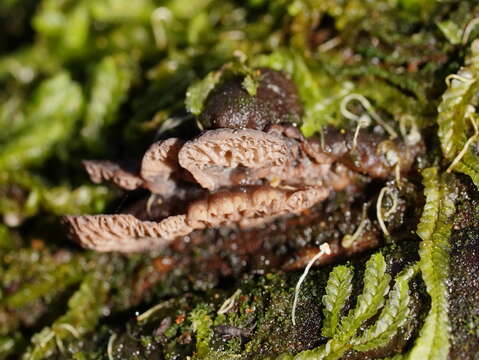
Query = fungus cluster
x=250 y=167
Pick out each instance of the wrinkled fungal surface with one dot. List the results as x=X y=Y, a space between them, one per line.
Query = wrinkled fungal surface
x=249 y=178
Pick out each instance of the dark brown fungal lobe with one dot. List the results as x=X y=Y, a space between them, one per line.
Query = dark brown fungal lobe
x=158 y=172
x=230 y=106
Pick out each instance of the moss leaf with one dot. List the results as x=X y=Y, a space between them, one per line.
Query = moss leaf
x=199 y=91
x=338 y=290
x=392 y=317
x=456 y=112
x=376 y=286
x=84 y=311
x=112 y=79
x=434 y=230
x=59 y=101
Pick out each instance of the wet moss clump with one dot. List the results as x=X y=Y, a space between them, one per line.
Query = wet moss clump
x=257 y=322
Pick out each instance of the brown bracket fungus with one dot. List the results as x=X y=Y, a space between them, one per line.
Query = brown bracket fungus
x=252 y=177
x=227 y=157
x=126 y=233
x=159 y=164
x=100 y=171
x=248 y=169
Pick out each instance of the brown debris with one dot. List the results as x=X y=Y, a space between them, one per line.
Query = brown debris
x=230 y=251
x=164 y=264
x=368 y=240
x=373 y=155
x=228 y=332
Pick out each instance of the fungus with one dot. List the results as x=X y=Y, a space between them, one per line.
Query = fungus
x=251 y=203
x=125 y=233
x=227 y=157
x=158 y=165
x=100 y=171
x=246 y=179
x=128 y=234
x=157 y=169
x=231 y=106
x=311 y=147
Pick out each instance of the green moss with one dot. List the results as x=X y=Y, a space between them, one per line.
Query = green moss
x=202 y=328
x=107 y=78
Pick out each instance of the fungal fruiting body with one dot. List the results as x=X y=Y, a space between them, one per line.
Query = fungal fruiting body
x=250 y=167
x=246 y=177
